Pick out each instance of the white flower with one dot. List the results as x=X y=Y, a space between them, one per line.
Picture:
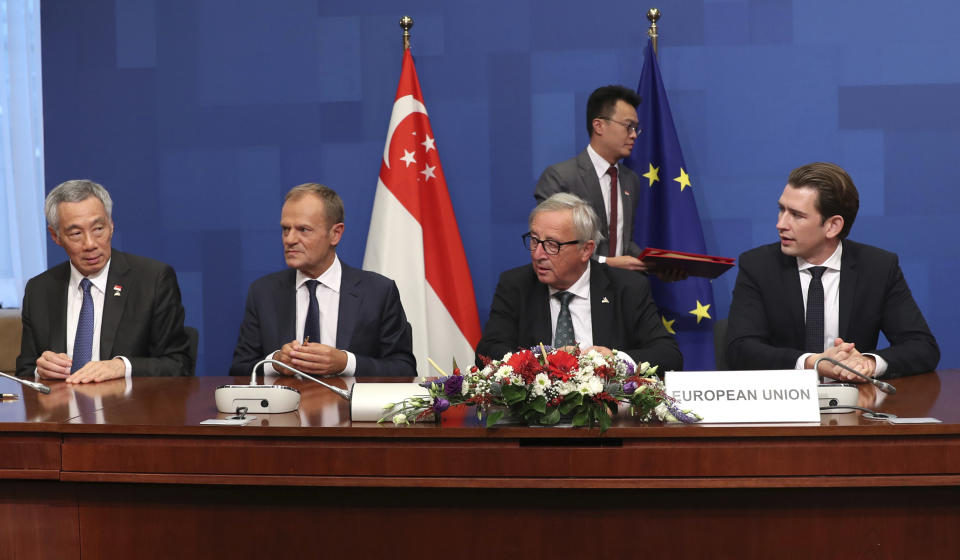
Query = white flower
x=663 y=413
x=400 y=418
x=503 y=372
x=591 y=386
x=540 y=384
x=565 y=387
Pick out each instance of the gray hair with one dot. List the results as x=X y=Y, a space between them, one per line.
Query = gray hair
x=332 y=203
x=75 y=190
x=584 y=218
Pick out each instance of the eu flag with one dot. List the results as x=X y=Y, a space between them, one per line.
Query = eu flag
x=667 y=218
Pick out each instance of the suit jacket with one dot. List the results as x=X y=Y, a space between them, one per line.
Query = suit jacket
x=628 y=320
x=371 y=323
x=144 y=323
x=766 y=327
x=578 y=176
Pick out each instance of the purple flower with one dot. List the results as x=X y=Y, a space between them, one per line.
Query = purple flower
x=629 y=387
x=440 y=404
x=630 y=369
x=453 y=385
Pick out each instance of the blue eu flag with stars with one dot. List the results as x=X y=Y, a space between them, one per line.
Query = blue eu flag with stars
x=667 y=218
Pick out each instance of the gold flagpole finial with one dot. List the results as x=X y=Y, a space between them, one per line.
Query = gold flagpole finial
x=653 y=15
x=406 y=22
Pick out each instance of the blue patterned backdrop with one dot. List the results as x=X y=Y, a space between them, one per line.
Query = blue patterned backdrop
x=199 y=115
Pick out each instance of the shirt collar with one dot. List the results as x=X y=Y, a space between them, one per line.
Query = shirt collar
x=98 y=279
x=600 y=165
x=832 y=263
x=330 y=277
x=580 y=288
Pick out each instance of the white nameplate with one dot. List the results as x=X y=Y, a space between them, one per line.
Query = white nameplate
x=747 y=396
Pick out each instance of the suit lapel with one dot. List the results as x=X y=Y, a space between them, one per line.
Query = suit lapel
x=588 y=175
x=848 y=282
x=793 y=297
x=601 y=308
x=541 y=327
x=285 y=302
x=58 y=307
x=627 y=193
x=113 y=303
x=350 y=299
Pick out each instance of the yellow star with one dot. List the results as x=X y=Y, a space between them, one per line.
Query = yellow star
x=668 y=324
x=701 y=311
x=652 y=174
x=683 y=179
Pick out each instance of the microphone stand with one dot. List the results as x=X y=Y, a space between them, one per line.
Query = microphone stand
x=33 y=385
x=342 y=392
x=881 y=385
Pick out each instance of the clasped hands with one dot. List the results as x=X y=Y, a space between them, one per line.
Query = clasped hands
x=310 y=357
x=848 y=355
x=51 y=365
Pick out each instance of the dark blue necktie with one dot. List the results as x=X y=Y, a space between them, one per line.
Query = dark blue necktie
x=83 y=343
x=564 y=333
x=815 y=334
x=311 y=327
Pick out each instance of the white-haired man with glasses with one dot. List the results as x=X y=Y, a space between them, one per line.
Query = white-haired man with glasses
x=564 y=299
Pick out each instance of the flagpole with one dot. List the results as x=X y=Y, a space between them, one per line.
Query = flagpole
x=653 y=15
x=406 y=22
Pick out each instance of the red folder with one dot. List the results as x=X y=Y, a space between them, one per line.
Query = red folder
x=705 y=266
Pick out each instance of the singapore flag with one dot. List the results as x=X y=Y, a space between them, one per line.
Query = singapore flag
x=414 y=238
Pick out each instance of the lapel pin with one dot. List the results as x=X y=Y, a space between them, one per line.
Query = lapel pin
x=626 y=193
x=604 y=300
x=117 y=288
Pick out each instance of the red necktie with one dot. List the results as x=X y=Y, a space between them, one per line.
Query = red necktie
x=614 y=200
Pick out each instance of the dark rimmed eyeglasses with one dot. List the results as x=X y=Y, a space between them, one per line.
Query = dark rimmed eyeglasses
x=631 y=127
x=550 y=246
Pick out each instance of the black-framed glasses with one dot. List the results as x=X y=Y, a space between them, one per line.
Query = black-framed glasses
x=631 y=127
x=550 y=246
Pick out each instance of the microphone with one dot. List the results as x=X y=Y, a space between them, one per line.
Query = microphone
x=33 y=385
x=342 y=392
x=881 y=385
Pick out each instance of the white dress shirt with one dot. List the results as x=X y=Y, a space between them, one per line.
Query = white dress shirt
x=579 y=310
x=602 y=166
x=831 y=303
x=98 y=290
x=328 y=300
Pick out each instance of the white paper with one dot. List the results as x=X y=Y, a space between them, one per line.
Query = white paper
x=368 y=399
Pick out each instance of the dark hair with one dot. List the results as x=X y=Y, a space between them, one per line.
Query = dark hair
x=604 y=99
x=332 y=203
x=836 y=193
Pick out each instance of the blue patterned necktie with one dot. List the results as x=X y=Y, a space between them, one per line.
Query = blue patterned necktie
x=311 y=327
x=815 y=334
x=83 y=343
x=564 y=335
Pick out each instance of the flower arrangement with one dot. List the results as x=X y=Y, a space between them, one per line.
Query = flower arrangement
x=542 y=385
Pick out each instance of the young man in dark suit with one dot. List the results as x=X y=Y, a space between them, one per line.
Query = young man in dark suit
x=320 y=315
x=815 y=293
x=597 y=177
x=103 y=314
x=563 y=298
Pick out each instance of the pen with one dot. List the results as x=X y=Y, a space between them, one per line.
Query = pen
x=9 y=396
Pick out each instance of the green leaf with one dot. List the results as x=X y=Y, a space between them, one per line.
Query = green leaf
x=551 y=417
x=513 y=394
x=493 y=417
x=603 y=419
x=540 y=404
x=581 y=418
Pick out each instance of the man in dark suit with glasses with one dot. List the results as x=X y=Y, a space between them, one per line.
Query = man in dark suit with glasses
x=564 y=299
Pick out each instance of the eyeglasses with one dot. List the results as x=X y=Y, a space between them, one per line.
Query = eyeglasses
x=550 y=246
x=631 y=127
